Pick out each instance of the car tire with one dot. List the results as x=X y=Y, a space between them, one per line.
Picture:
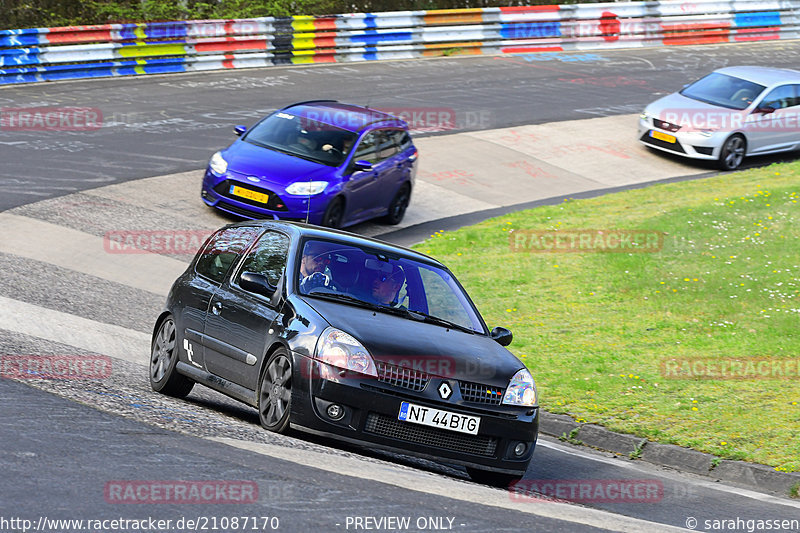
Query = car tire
x=275 y=392
x=334 y=214
x=494 y=479
x=398 y=206
x=163 y=358
x=732 y=153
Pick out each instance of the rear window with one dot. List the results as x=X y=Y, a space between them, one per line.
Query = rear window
x=221 y=251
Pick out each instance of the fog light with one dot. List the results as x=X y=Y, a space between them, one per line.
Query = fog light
x=335 y=411
x=520 y=448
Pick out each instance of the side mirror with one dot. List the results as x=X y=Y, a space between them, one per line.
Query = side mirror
x=362 y=166
x=239 y=130
x=502 y=336
x=764 y=110
x=257 y=283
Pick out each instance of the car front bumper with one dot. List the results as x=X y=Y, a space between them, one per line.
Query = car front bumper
x=693 y=144
x=280 y=207
x=370 y=419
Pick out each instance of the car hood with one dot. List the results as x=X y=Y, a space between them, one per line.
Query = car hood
x=434 y=349
x=678 y=109
x=269 y=165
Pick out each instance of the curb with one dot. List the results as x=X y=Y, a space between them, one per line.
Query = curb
x=750 y=475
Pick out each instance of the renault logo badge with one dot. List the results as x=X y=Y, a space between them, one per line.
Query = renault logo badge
x=445 y=391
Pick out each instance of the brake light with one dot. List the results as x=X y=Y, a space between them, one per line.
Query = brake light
x=413 y=157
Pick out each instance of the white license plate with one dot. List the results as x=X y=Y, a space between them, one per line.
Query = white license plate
x=428 y=416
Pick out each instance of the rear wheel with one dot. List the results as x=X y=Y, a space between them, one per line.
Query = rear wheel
x=732 y=153
x=275 y=393
x=334 y=214
x=163 y=358
x=397 y=209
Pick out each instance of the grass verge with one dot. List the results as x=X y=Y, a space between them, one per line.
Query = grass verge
x=603 y=332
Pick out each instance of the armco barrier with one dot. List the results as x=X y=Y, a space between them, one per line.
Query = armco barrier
x=45 y=54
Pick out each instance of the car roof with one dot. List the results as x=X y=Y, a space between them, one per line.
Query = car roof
x=317 y=232
x=763 y=75
x=350 y=117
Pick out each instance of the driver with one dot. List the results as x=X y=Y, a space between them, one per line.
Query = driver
x=386 y=286
x=313 y=266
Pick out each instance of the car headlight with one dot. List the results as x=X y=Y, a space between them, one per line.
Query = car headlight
x=306 y=188
x=521 y=390
x=644 y=116
x=218 y=164
x=339 y=349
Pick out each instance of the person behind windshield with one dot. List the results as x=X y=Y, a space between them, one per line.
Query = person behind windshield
x=313 y=266
x=385 y=286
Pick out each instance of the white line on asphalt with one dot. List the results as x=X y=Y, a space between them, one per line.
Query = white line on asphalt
x=82 y=252
x=449 y=488
x=677 y=476
x=90 y=335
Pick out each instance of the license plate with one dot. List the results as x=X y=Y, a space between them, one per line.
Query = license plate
x=666 y=137
x=250 y=195
x=428 y=416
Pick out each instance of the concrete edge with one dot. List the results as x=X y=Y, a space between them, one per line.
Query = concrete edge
x=753 y=476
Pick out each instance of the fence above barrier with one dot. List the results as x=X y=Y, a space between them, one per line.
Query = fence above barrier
x=46 y=54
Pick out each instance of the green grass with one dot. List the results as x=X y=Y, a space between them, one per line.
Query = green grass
x=595 y=328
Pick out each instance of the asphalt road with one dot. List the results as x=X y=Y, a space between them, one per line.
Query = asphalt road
x=60 y=455
x=158 y=125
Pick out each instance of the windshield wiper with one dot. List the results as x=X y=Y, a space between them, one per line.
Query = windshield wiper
x=342 y=297
x=419 y=315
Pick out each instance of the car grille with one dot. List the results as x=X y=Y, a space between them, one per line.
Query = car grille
x=672 y=147
x=273 y=204
x=399 y=376
x=435 y=438
x=666 y=125
x=478 y=393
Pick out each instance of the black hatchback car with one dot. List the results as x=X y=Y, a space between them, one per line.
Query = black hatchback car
x=348 y=337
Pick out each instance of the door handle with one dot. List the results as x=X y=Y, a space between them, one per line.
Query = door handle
x=216 y=308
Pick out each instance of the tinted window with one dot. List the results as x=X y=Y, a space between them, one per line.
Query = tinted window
x=366 y=149
x=222 y=250
x=387 y=147
x=268 y=256
x=781 y=97
x=402 y=139
x=724 y=91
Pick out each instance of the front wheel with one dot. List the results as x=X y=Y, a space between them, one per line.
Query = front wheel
x=163 y=358
x=732 y=153
x=334 y=214
x=275 y=393
x=397 y=209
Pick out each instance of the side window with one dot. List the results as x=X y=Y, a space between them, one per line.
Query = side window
x=386 y=145
x=222 y=250
x=366 y=150
x=268 y=256
x=402 y=139
x=780 y=98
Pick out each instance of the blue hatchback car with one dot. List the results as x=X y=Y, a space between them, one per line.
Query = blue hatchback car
x=324 y=162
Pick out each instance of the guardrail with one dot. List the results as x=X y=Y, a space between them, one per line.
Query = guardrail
x=46 y=54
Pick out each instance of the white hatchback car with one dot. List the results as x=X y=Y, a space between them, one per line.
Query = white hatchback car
x=729 y=114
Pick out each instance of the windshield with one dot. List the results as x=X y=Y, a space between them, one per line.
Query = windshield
x=393 y=284
x=302 y=137
x=724 y=91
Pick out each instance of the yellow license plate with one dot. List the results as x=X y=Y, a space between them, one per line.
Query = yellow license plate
x=250 y=195
x=666 y=137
